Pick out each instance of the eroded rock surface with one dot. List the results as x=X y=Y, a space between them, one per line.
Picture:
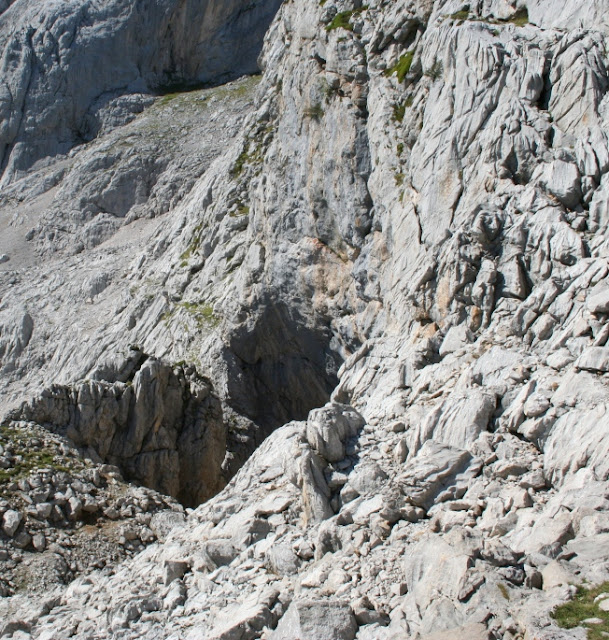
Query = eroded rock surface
x=389 y=284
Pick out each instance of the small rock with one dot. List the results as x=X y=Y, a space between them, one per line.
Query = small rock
x=22 y=540
x=74 y=508
x=39 y=542
x=10 y=522
x=174 y=569
x=533 y=578
x=598 y=302
x=397 y=427
x=533 y=480
x=400 y=453
x=536 y=405
x=594 y=359
x=316 y=620
x=456 y=338
x=282 y=559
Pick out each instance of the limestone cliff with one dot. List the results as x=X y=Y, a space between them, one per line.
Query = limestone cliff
x=368 y=290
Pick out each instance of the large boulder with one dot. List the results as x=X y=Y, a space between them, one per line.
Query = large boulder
x=316 y=620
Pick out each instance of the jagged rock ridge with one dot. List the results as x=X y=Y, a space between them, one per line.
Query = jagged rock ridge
x=413 y=219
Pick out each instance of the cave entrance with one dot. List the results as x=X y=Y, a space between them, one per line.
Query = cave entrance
x=166 y=427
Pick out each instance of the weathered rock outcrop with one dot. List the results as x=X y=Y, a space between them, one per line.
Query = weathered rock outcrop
x=65 y=65
x=162 y=428
x=402 y=258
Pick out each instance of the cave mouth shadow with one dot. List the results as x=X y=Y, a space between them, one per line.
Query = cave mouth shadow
x=167 y=427
x=280 y=367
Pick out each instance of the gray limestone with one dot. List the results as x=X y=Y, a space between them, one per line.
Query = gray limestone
x=351 y=312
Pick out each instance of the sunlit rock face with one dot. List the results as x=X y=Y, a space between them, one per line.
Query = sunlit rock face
x=356 y=307
x=64 y=62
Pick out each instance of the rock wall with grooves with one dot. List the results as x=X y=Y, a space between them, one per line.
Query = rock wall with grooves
x=391 y=288
x=62 y=63
x=161 y=428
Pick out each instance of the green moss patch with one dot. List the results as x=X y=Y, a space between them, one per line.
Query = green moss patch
x=582 y=607
x=460 y=15
x=342 y=20
x=402 y=66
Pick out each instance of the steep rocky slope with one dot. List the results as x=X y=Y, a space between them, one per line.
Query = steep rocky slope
x=402 y=259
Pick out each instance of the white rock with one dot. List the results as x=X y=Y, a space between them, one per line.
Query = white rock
x=316 y=620
x=594 y=359
x=11 y=521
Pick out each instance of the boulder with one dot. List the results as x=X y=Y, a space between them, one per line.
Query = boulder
x=457 y=422
x=472 y=631
x=316 y=620
x=11 y=521
x=436 y=469
x=329 y=428
x=595 y=359
x=598 y=300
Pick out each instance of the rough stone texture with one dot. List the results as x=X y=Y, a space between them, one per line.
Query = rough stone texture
x=371 y=290
x=162 y=429
x=50 y=53
x=316 y=620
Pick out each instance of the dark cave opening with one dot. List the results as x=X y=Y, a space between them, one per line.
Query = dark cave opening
x=279 y=369
x=166 y=427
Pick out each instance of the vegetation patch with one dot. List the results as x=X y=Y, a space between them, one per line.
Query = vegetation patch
x=583 y=607
x=241 y=210
x=28 y=457
x=436 y=70
x=315 y=112
x=504 y=590
x=399 y=111
x=460 y=15
x=401 y=67
x=342 y=20
x=202 y=313
x=193 y=246
x=246 y=157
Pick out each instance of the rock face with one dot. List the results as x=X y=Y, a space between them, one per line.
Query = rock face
x=371 y=287
x=83 y=55
x=160 y=428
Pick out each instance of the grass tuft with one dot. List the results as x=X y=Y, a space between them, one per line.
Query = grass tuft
x=342 y=20
x=520 y=18
x=398 y=112
x=314 y=112
x=460 y=15
x=402 y=66
x=572 y=614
